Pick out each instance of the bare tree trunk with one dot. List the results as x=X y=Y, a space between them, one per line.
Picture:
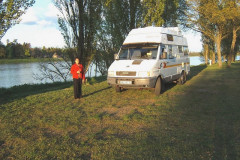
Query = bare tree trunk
x=230 y=56
x=213 y=58
x=132 y=4
x=218 y=43
x=80 y=45
x=206 y=50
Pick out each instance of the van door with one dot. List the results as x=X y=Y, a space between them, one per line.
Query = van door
x=169 y=68
x=164 y=62
x=171 y=65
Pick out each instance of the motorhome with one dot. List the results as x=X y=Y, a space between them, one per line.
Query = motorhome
x=149 y=58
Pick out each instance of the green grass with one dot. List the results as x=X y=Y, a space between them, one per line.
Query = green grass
x=198 y=120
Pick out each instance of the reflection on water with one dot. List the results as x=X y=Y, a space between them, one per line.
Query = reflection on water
x=19 y=74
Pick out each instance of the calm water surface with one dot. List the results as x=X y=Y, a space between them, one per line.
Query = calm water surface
x=19 y=74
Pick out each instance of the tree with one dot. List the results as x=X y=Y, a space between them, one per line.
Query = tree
x=36 y=52
x=10 y=13
x=54 y=70
x=208 y=49
x=135 y=12
x=205 y=45
x=79 y=22
x=154 y=10
x=233 y=15
x=164 y=12
x=129 y=10
x=26 y=48
x=14 y=49
x=2 y=51
x=209 y=18
x=120 y=16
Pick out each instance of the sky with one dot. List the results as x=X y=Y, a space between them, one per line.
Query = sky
x=39 y=27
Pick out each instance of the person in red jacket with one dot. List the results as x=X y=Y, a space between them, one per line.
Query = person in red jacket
x=77 y=72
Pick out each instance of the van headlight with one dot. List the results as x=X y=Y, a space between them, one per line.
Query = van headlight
x=144 y=74
x=111 y=73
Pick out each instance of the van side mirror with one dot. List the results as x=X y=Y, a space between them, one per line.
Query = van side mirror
x=116 y=56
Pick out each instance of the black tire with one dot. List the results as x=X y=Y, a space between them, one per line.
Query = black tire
x=118 y=89
x=158 y=87
x=183 y=78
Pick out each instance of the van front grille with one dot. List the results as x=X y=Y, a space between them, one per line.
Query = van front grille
x=126 y=73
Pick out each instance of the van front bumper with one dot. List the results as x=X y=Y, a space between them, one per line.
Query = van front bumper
x=132 y=82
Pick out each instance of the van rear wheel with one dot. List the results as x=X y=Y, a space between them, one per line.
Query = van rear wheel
x=158 y=87
x=183 y=78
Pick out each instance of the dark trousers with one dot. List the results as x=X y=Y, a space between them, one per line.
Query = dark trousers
x=77 y=86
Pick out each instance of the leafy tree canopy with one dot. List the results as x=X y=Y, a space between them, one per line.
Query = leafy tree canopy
x=10 y=13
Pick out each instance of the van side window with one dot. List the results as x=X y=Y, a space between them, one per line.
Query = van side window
x=163 y=53
x=169 y=37
x=180 y=49
x=185 y=50
x=170 y=51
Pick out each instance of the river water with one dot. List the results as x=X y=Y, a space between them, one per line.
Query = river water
x=22 y=73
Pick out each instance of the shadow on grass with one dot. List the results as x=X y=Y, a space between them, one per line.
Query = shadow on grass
x=96 y=79
x=96 y=92
x=17 y=92
x=202 y=123
x=194 y=71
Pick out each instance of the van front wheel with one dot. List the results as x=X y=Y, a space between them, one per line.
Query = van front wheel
x=158 y=86
x=118 y=89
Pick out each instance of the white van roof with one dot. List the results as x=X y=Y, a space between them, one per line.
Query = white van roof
x=155 y=35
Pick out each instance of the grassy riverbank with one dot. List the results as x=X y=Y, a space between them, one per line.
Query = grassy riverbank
x=198 y=120
x=195 y=54
x=25 y=60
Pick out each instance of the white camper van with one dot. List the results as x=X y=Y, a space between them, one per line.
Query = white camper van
x=150 y=57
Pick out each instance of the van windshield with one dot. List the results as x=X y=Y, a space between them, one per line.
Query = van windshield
x=138 y=52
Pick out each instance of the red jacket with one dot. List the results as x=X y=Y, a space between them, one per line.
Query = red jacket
x=76 y=68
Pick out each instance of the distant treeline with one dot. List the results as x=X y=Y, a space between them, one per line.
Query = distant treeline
x=195 y=54
x=15 y=50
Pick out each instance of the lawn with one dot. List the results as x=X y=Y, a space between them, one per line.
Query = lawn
x=197 y=120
